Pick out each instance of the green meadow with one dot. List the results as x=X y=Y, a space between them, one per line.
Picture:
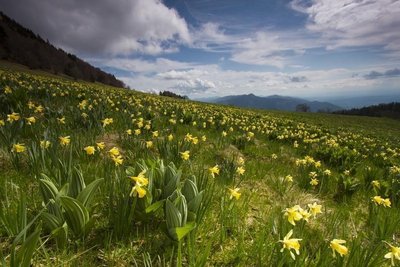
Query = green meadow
x=92 y=175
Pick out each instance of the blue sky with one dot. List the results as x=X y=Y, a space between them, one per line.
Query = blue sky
x=202 y=48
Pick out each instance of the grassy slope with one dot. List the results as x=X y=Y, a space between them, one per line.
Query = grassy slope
x=234 y=233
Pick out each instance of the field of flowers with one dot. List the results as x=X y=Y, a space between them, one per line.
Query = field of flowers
x=92 y=175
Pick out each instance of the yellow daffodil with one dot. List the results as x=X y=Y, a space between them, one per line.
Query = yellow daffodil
x=327 y=172
x=64 y=140
x=214 y=171
x=13 y=117
x=138 y=132
x=393 y=254
x=114 y=152
x=386 y=203
x=155 y=134
x=100 y=145
x=185 y=155
x=118 y=160
x=140 y=181
x=30 y=120
x=240 y=161
x=39 y=109
x=203 y=138
x=315 y=208
x=376 y=184
x=234 y=193
x=336 y=246
x=61 y=120
x=291 y=243
x=314 y=182
x=288 y=178
x=107 y=121
x=129 y=132
x=170 y=137
x=90 y=150
x=45 y=144
x=2 y=123
x=18 y=148
x=7 y=90
x=240 y=170
x=224 y=134
x=293 y=214
x=149 y=144
x=274 y=156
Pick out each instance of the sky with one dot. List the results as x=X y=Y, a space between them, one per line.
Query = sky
x=315 y=49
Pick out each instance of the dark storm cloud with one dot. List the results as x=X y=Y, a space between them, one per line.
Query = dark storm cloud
x=102 y=26
x=387 y=74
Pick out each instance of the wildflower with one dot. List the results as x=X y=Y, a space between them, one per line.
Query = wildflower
x=234 y=193
x=327 y=172
x=117 y=159
x=114 y=152
x=30 y=120
x=61 y=120
x=195 y=140
x=313 y=175
x=90 y=150
x=376 y=184
x=107 y=121
x=31 y=105
x=315 y=208
x=7 y=90
x=240 y=161
x=100 y=145
x=214 y=170
x=224 y=134
x=129 y=132
x=203 y=138
x=13 y=117
x=149 y=144
x=240 y=170
x=378 y=200
x=140 y=181
x=45 y=144
x=155 y=134
x=386 y=202
x=18 y=148
x=170 y=137
x=39 y=109
x=2 y=123
x=295 y=144
x=274 y=156
x=393 y=254
x=288 y=178
x=64 y=140
x=291 y=243
x=137 y=132
x=185 y=155
x=314 y=182
x=293 y=214
x=336 y=246
x=347 y=172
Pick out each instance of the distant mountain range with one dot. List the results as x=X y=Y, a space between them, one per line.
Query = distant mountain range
x=20 y=45
x=275 y=102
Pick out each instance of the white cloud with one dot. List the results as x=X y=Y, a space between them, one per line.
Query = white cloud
x=104 y=26
x=350 y=23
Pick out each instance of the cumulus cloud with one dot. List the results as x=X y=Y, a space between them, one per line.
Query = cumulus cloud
x=386 y=74
x=103 y=26
x=350 y=23
x=194 y=86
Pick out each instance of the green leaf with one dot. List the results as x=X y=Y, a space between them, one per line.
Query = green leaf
x=77 y=183
x=173 y=216
x=76 y=215
x=155 y=206
x=86 y=195
x=181 y=232
x=25 y=252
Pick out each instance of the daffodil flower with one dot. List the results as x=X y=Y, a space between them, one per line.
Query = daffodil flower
x=64 y=140
x=140 y=182
x=214 y=171
x=234 y=193
x=393 y=254
x=18 y=148
x=336 y=246
x=90 y=150
x=291 y=243
x=185 y=155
